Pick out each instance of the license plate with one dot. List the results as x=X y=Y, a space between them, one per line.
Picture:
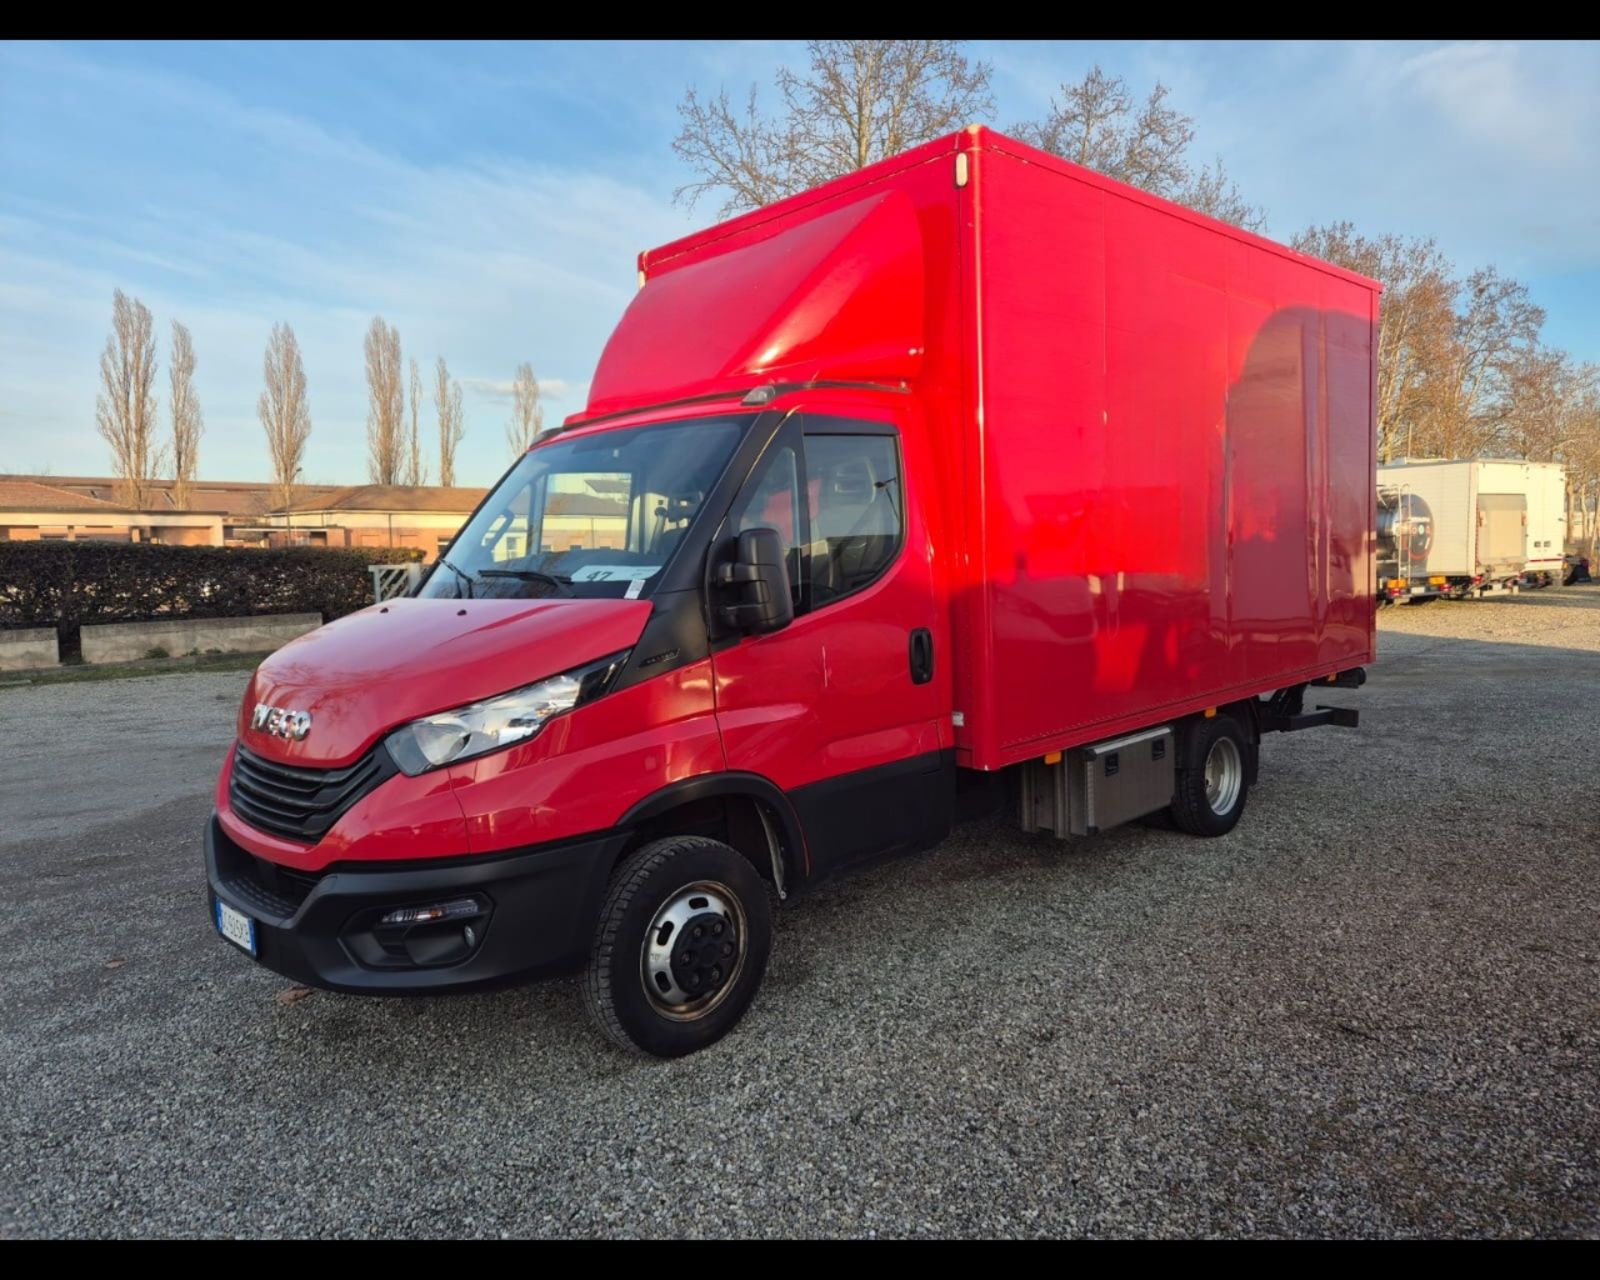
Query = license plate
x=236 y=927
x=1419 y=591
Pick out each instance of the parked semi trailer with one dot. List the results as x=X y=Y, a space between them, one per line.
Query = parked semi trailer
x=1488 y=523
x=970 y=480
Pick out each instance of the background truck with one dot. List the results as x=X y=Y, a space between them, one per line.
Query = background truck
x=1405 y=537
x=969 y=480
x=1490 y=522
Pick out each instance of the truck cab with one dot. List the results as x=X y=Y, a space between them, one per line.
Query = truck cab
x=715 y=627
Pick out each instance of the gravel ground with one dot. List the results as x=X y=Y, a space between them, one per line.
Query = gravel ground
x=1370 y=1011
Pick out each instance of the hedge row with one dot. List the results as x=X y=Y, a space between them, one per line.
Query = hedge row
x=68 y=585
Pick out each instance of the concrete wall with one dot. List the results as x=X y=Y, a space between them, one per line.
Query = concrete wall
x=126 y=641
x=35 y=647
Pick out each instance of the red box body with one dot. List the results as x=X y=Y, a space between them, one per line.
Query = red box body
x=1153 y=432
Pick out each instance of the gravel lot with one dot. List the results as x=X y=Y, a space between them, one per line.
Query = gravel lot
x=1372 y=1010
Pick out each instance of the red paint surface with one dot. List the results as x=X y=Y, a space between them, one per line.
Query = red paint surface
x=589 y=767
x=1152 y=433
x=836 y=296
x=366 y=673
x=405 y=818
x=831 y=693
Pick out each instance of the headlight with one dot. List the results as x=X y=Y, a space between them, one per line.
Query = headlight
x=481 y=727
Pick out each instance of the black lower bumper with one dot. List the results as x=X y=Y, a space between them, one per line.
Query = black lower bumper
x=536 y=914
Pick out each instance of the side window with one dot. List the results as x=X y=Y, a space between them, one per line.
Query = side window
x=772 y=501
x=855 y=506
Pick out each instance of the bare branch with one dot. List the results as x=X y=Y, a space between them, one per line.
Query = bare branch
x=1210 y=191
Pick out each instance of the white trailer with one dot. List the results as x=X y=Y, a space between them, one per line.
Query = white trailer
x=1481 y=522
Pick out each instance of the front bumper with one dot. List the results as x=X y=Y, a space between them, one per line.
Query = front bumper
x=540 y=906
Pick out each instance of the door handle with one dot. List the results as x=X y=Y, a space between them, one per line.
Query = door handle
x=921 y=656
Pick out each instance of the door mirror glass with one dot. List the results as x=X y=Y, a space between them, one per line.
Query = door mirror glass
x=755 y=584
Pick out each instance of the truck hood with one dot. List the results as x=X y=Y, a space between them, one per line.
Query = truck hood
x=361 y=676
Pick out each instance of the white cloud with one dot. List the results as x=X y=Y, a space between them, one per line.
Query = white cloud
x=1488 y=94
x=563 y=389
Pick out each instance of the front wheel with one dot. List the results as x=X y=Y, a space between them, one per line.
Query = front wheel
x=1211 y=787
x=680 y=948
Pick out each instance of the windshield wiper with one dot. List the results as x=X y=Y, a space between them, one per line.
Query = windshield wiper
x=560 y=581
x=461 y=574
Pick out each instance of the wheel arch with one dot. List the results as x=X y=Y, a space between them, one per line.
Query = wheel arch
x=744 y=810
x=1246 y=713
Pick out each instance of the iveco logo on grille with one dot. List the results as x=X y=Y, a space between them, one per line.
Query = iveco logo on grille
x=281 y=723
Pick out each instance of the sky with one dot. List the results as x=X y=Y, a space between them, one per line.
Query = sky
x=490 y=200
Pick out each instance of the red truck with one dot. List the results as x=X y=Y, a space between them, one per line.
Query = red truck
x=971 y=479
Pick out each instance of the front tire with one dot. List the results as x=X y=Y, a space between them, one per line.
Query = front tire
x=680 y=948
x=1212 y=786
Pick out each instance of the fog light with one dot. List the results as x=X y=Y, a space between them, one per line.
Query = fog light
x=452 y=910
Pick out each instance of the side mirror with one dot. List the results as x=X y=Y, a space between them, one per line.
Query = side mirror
x=757 y=579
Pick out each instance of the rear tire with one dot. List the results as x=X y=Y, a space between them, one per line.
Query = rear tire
x=680 y=948
x=1212 y=786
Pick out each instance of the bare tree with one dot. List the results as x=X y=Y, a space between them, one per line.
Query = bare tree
x=416 y=464
x=527 y=414
x=1579 y=451
x=1552 y=414
x=125 y=409
x=447 y=399
x=1097 y=123
x=386 y=404
x=1497 y=325
x=1543 y=406
x=1416 y=326
x=187 y=422
x=859 y=101
x=285 y=412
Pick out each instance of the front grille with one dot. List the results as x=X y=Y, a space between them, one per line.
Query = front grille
x=297 y=802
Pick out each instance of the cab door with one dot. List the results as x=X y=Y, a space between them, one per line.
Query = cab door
x=845 y=709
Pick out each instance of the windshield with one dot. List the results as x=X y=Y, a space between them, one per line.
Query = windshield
x=597 y=515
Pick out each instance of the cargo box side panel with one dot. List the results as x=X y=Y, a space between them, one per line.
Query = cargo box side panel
x=1176 y=479
x=1297 y=422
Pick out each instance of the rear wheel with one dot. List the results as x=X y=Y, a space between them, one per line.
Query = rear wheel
x=680 y=948
x=1211 y=786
